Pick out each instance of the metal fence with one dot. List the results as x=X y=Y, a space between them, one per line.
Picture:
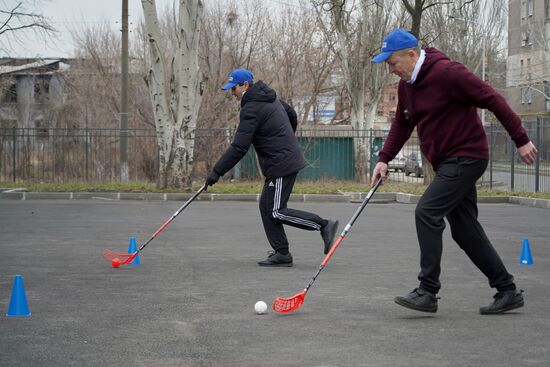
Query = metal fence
x=72 y=155
x=93 y=155
x=507 y=171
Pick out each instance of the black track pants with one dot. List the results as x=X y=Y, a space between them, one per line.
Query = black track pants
x=453 y=195
x=275 y=213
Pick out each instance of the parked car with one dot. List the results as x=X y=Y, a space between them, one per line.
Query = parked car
x=413 y=164
x=398 y=163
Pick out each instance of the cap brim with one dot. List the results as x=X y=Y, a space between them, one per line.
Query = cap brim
x=382 y=56
x=229 y=85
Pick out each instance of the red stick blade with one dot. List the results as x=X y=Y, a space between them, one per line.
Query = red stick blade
x=109 y=255
x=283 y=305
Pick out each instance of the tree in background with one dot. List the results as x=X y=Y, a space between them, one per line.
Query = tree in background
x=16 y=20
x=176 y=102
x=296 y=49
x=353 y=30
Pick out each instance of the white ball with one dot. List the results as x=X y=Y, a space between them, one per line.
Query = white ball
x=260 y=307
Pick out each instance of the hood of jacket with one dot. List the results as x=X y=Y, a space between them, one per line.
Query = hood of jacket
x=259 y=92
x=433 y=56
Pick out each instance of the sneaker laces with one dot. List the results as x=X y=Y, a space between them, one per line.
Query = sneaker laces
x=499 y=295
x=424 y=293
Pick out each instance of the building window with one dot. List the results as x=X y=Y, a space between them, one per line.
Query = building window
x=526 y=38
x=530 y=8
x=41 y=90
x=547 y=9
x=10 y=94
x=520 y=67
x=379 y=113
x=526 y=95
x=547 y=96
x=523 y=8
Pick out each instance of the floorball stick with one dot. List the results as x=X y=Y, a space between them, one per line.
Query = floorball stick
x=283 y=305
x=116 y=259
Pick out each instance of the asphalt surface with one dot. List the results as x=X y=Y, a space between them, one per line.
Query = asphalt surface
x=191 y=302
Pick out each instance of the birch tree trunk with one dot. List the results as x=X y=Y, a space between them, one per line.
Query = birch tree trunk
x=175 y=103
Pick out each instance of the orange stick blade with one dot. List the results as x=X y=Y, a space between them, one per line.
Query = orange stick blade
x=109 y=255
x=283 y=305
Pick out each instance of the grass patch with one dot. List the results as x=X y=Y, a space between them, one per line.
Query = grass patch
x=248 y=187
x=82 y=186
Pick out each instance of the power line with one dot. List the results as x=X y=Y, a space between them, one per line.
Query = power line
x=300 y=5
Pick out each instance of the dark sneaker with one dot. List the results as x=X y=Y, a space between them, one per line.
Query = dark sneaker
x=419 y=300
x=277 y=259
x=504 y=301
x=328 y=233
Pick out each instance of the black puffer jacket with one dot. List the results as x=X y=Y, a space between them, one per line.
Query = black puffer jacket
x=269 y=125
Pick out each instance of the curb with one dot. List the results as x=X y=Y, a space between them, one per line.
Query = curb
x=383 y=197
x=537 y=203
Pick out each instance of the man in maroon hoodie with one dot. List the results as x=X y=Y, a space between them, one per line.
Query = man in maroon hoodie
x=440 y=98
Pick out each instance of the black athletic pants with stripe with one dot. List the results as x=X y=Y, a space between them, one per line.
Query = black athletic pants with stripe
x=453 y=195
x=275 y=213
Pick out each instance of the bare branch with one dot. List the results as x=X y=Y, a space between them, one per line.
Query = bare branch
x=438 y=3
x=17 y=21
x=408 y=6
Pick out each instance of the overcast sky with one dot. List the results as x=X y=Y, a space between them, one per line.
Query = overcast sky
x=68 y=16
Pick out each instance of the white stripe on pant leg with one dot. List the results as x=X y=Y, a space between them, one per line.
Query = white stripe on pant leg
x=296 y=220
x=287 y=218
x=276 y=196
x=279 y=192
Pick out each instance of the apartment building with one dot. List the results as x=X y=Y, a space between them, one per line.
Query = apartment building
x=528 y=64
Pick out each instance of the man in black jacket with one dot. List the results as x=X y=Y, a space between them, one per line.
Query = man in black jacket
x=269 y=124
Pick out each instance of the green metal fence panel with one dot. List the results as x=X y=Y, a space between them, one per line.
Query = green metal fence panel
x=376 y=147
x=327 y=158
x=247 y=168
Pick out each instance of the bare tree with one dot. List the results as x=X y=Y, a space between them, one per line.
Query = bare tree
x=463 y=30
x=17 y=19
x=418 y=8
x=91 y=100
x=354 y=31
x=230 y=39
x=295 y=60
x=95 y=76
x=176 y=104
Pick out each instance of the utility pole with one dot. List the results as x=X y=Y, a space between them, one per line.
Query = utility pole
x=483 y=62
x=124 y=96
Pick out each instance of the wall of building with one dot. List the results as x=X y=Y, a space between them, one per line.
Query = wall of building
x=528 y=71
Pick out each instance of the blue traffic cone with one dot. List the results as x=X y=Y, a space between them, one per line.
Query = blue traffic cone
x=131 y=249
x=526 y=258
x=18 y=302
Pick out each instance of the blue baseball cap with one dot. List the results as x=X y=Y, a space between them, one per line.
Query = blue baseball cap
x=238 y=76
x=395 y=41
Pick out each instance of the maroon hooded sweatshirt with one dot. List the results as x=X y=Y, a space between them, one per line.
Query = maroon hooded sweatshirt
x=442 y=103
